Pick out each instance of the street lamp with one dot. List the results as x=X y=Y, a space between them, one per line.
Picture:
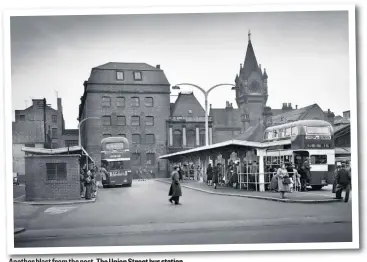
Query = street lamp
x=206 y=93
x=92 y=117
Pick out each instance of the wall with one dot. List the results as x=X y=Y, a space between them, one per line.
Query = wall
x=93 y=130
x=38 y=188
x=18 y=158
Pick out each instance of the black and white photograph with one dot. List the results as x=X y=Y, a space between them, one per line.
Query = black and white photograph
x=226 y=129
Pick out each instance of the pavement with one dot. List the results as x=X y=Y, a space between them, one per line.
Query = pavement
x=142 y=215
x=310 y=197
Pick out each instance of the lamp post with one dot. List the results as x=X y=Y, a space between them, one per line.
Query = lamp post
x=92 y=117
x=206 y=93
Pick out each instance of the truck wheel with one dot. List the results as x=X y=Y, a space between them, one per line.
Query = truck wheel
x=318 y=187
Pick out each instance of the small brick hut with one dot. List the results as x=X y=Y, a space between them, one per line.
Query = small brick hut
x=54 y=174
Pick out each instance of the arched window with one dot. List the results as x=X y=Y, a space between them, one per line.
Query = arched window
x=190 y=138
x=202 y=137
x=177 y=138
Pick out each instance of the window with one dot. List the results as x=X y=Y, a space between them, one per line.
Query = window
x=30 y=145
x=317 y=130
x=177 y=138
x=106 y=135
x=288 y=131
x=120 y=101
x=135 y=159
x=135 y=102
x=56 y=171
x=54 y=132
x=148 y=101
x=137 y=76
x=71 y=143
x=318 y=160
x=119 y=75
x=106 y=101
x=121 y=121
x=294 y=131
x=135 y=120
x=136 y=139
x=22 y=117
x=106 y=120
x=202 y=137
x=190 y=112
x=123 y=135
x=150 y=159
x=54 y=119
x=190 y=138
x=149 y=139
x=149 y=120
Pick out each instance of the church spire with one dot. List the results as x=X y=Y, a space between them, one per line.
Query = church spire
x=250 y=63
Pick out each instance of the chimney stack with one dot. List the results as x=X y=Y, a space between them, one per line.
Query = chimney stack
x=158 y=66
x=290 y=105
x=296 y=106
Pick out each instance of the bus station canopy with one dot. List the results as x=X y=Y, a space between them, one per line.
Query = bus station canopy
x=233 y=145
x=57 y=151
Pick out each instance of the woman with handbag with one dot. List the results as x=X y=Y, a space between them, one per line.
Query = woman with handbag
x=283 y=180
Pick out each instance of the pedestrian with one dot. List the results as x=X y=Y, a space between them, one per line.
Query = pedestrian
x=283 y=180
x=338 y=166
x=175 y=190
x=307 y=169
x=81 y=183
x=88 y=185
x=343 y=181
x=215 y=176
x=180 y=173
x=274 y=179
x=209 y=174
x=93 y=182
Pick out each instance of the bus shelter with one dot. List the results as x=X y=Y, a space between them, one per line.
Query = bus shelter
x=253 y=178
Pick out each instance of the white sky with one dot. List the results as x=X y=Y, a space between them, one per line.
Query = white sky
x=305 y=54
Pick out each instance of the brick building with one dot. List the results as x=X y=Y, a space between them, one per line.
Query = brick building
x=186 y=125
x=54 y=119
x=27 y=134
x=130 y=100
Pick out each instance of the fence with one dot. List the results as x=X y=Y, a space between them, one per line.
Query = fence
x=250 y=181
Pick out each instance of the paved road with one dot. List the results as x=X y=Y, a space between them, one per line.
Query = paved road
x=18 y=190
x=142 y=215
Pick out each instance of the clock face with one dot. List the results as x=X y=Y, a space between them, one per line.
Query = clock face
x=255 y=87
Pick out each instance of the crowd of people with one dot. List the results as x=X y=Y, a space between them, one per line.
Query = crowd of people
x=88 y=185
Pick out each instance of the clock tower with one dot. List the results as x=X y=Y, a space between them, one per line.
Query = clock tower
x=251 y=89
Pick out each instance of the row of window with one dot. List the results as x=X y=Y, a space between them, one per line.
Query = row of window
x=22 y=118
x=58 y=171
x=121 y=101
x=190 y=138
x=135 y=121
x=138 y=76
x=277 y=160
x=136 y=138
x=280 y=133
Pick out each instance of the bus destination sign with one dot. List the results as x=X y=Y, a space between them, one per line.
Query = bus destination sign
x=115 y=146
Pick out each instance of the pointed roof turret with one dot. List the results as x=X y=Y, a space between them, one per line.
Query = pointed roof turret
x=265 y=75
x=250 y=59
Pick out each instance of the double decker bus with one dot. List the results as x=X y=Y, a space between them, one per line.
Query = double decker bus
x=308 y=138
x=115 y=158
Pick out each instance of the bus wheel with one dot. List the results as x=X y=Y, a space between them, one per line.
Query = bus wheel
x=317 y=187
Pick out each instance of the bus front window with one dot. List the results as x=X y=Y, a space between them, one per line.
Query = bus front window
x=115 y=165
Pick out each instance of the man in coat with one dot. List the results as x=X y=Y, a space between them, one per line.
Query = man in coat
x=343 y=181
x=307 y=169
x=175 y=189
x=209 y=174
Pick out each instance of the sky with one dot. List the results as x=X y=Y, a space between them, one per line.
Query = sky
x=306 y=54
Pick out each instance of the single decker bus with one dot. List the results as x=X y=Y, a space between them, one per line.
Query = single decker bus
x=115 y=159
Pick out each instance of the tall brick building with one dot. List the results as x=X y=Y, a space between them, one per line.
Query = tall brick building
x=131 y=100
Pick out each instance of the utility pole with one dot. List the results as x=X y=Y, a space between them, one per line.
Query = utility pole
x=44 y=121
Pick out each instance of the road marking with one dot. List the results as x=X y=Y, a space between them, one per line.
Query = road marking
x=58 y=210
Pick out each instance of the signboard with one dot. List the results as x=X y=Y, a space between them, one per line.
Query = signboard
x=115 y=146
